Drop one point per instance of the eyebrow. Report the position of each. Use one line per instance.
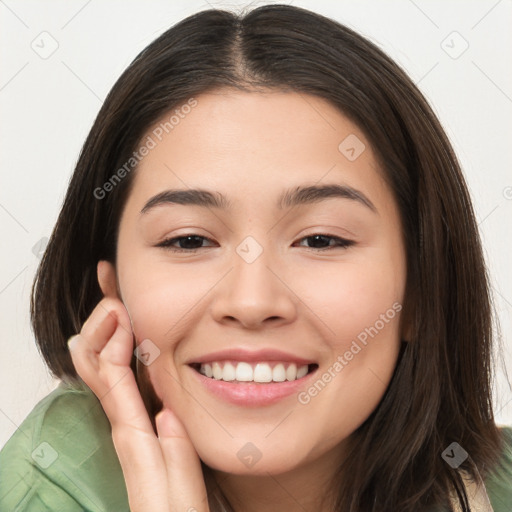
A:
(288, 199)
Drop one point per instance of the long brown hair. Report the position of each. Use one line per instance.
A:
(441, 389)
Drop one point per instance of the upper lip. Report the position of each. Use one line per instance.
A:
(242, 354)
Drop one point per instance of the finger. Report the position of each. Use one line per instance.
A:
(88, 345)
(102, 359)
(103, 321)
(102, 356)
(143, 466)
(185, 481)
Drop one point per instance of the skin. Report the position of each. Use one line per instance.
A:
(250, 147)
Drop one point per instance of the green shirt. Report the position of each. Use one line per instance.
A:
(62, 458)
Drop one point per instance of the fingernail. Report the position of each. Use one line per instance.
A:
(73, 341)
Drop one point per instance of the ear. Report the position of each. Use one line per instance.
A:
(107, 279)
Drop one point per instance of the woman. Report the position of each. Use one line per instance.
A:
(323, 344)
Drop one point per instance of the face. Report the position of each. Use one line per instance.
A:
(251, 279)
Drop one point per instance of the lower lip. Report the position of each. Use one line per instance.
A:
(251, 394)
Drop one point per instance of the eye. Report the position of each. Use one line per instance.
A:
(323, 239)
(191, 243)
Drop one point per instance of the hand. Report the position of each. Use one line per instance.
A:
(161, 473)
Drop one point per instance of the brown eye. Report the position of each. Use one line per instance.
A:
(321, 242)
(192, 242)
(188, 243)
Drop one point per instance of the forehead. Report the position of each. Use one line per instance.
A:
(250, 146)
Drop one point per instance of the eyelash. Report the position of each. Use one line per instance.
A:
(342, 243)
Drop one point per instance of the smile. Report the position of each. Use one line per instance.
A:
(259, 372)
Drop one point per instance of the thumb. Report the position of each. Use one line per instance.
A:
(187, 490)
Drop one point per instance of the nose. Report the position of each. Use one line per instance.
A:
(255, 294)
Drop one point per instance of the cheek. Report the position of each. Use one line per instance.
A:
(358, 306)
(363, 344)
(350, 298)
(163, 304)
(162, 301)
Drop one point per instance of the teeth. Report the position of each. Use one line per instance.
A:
(259, 372)
(279, 373)
(243, 372)
(302, 371)
(228, 372)
(217, 371)
(291, 372)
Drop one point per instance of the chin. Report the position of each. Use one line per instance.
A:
(246, 458)
(260, 468)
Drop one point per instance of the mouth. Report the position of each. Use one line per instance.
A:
(264, 372)
(252, 384)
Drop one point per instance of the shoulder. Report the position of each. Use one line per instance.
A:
(499, 481)
(62, 454)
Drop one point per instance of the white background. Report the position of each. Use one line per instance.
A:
(48, 106)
